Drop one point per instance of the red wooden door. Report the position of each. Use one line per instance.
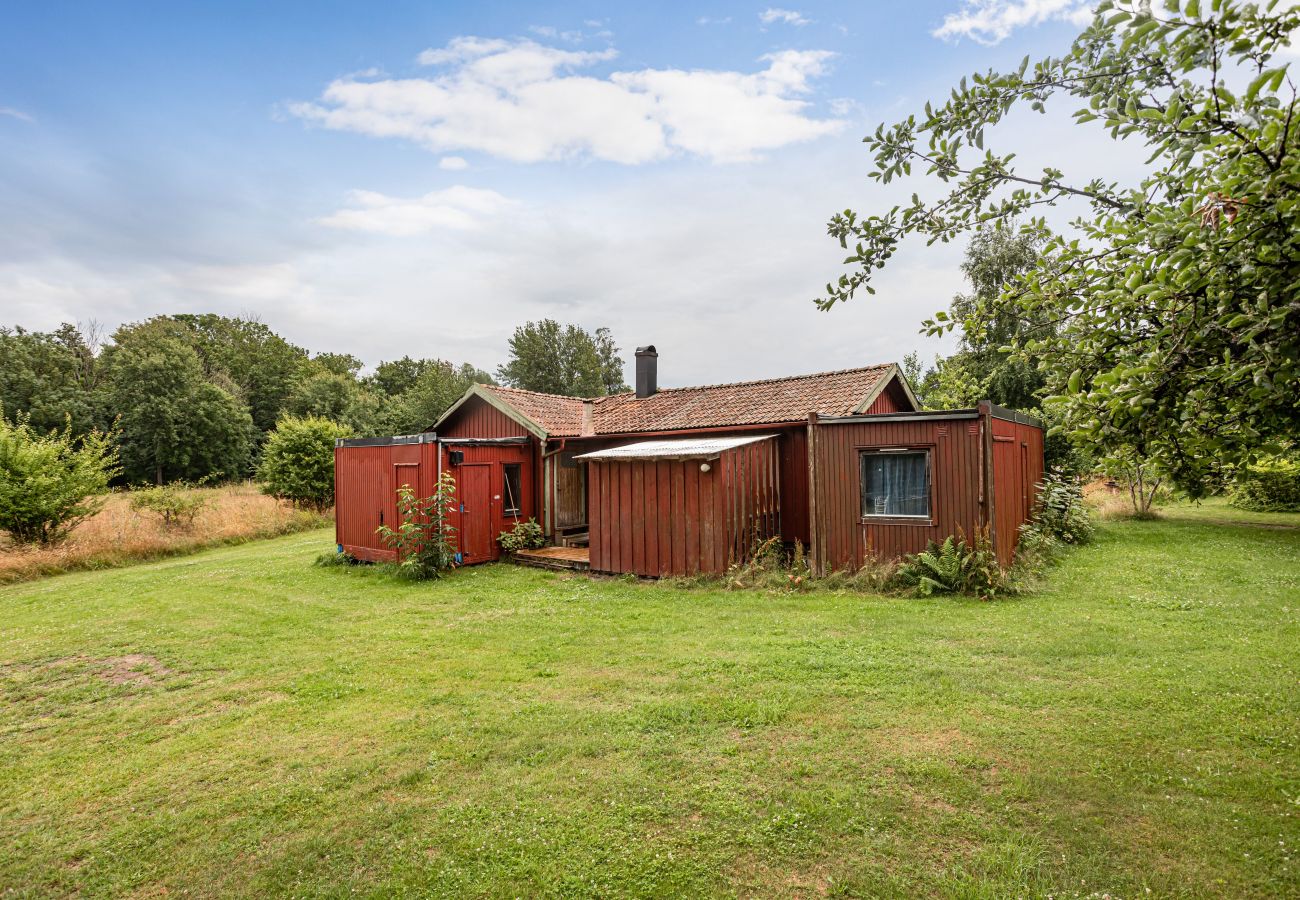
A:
(474, 494)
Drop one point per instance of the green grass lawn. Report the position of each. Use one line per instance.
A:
(241, 722)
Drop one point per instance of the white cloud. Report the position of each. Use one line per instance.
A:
(458, 208)
(709, 20)
(550, 31)
(453, 163)
(522, 101)
(250, 282)
(15, 114)
(992, 21)
(784, 16)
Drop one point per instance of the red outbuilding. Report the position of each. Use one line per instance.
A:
(494, 489)
(676, 507)
(682, 480)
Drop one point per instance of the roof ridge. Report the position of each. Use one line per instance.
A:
(726, 384)
(515, 390)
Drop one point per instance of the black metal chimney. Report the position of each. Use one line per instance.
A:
(647, 371)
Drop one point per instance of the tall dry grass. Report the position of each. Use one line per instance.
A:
(118, 535)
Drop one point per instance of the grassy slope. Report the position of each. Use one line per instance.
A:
(514, 732)
(119, 536)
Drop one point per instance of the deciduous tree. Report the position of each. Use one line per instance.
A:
(175, 425)
(48, 377)
(1172, 300)
(563, 359)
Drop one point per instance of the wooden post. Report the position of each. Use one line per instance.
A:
(815, 549)
(986, 471)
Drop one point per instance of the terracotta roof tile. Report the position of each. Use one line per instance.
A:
(766, 402)
(559, 416)
(763, 402)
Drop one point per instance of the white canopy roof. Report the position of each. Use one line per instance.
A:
(684, 448)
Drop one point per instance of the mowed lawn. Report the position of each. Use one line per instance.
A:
(242, 722)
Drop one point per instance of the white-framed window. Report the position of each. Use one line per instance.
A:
(895, 483)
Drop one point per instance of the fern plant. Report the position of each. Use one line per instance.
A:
(955, 567)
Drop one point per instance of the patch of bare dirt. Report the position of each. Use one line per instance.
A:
(943, 742)
(760, 879)
(134, 668)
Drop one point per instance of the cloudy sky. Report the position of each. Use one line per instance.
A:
(419, 178)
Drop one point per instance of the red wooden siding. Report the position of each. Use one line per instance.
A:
(1017, 470)
(891, 399)
(485, 510)
(962, 483)
(366, 480)
(666, 517)
(844, 538)
(792, 446)
(479, 419)
(792, 463)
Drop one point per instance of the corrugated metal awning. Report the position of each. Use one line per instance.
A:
(684, 448)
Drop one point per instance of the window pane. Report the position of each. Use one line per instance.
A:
(510, 490)
(895, 484)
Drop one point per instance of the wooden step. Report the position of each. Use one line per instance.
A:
(572, 558)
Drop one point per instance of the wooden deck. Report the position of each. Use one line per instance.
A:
(572, 558)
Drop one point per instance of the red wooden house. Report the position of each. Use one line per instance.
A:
(685, 480)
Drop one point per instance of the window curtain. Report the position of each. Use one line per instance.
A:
(895, 484)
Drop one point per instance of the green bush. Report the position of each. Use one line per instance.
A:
(424, 541)
(1060, 515)
(955, 567)
(1271, 486)
(298, 461)
(177, 504)
(524, 536)
(49, 483)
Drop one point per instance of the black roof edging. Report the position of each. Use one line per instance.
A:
(1011, 415)
(427, 437)
(914, 416)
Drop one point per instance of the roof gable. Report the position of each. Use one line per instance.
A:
(507, 407)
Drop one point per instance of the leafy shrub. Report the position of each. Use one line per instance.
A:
(1060, 516)
(524, 536)
(298, 461)
(1271, 486)
(955, 567)
(177, 504)
(424, 541)
(50, 483)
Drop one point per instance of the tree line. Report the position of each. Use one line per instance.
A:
(196, 397)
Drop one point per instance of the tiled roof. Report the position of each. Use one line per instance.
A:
(745, 403)
(767, 402)
(559, 416)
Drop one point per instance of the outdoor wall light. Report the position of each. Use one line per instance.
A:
(704, 467)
